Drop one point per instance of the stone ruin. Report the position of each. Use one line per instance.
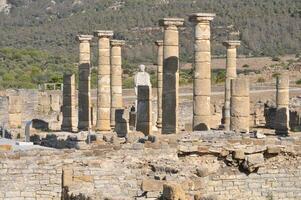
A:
(126, 153)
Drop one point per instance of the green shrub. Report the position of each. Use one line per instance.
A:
(218, 76)
(246, 66)
(128, 82)
(298, 82)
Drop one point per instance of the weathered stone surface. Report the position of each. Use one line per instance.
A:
(116, 78)
(144, 110)
(150, 185)
(173, 192)
(159, 44)
(170, 74)
(84, 114)
(253, 162)
(103, 81)
(202, 62)
(239, 105)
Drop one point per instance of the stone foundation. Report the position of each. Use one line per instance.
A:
(205, 164)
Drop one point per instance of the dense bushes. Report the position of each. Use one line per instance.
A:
(28, 68)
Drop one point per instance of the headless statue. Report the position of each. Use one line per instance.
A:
(142, 78)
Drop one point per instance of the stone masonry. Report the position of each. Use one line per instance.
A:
(84, 104)
(103, 81)
(170, 99)
(68, 108)
(116, 78)
(240, 104)
(159, 44)
(231, 73)
(15, 104)
(282, 103)
(202, 71)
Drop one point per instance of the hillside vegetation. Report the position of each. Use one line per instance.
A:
(271, 27)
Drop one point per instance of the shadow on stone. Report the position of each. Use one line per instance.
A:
(66, 196)
(169, 96)
(40, 125)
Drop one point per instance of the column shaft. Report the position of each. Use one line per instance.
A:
(159, 44)
(84, 115)
(202, 71)
(240, 105)
(103, 81)
(230, 74)
(282, 101)
(170, 75)
(68, 109)
(116, 78)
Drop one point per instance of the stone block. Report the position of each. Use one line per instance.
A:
(239, 154)
(202, 70)
(253, 162)
(6, 147)
(202, 87)
(150, 185)
(202, 56)
(173, 37)
(201, 122)
(201, 105)
(240, 107)
(173, 192)
(202, 46)
(202, 31)
(240, 87)
(273, 149)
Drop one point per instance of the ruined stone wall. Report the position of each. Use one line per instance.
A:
(31, 175)
(215, 165)
(26, 105)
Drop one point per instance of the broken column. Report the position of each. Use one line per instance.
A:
(240, 105)
(116, 78)
(15, 107)
(68, 108)
(84, 115)
(282, 101)
(103, 81)
(144, 109)
(202, 70)
(170, 74)
(159, 44)
(230, 74)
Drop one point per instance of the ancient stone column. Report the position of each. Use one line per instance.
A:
(202, 71)
(103, 81)
(144, 109)
(84, 101)
(230, 74)
(159, 44)
(170, 74)
(240, 105)
(116, 78)
(282, 101)
(68, 108)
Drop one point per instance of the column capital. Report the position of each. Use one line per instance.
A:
(166, 22)
(103, 33)
(201, 17)
(84, 38)
(231, 43)
(117, 43)
(159, 43)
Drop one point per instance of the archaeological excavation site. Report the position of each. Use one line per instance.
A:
(236, 140)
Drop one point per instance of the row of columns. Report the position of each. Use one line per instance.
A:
(168, 99)
(236, 103)
(109, 84)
